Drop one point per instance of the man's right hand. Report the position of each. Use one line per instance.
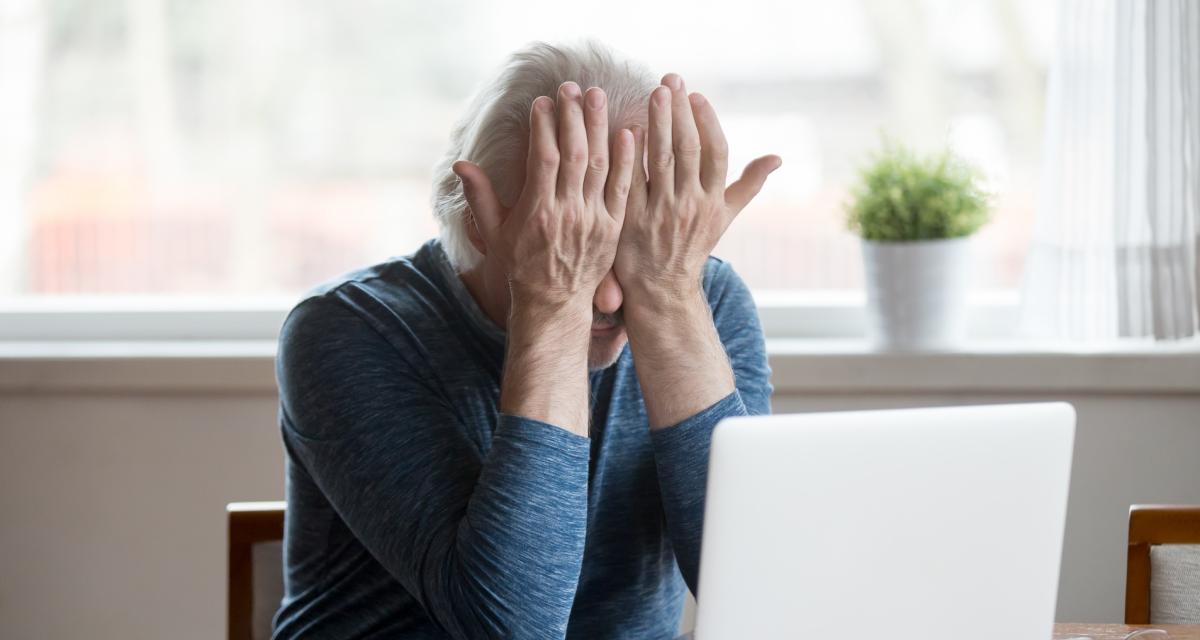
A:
(554, 246)
(560, 238)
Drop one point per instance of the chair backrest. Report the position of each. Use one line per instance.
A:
(1162, 580)
(255, 567)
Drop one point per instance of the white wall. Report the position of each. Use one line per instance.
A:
(113, 487)
(113, 510)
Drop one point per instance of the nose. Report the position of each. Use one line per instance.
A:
(608, 296)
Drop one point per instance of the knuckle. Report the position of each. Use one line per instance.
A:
(688, 146)
(662, 160)
(598, 164)
(576, 155)
(569, 216)
(548, 159)
(543, 223)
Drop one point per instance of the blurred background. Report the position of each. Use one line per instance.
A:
(174, 174)
(176, 148)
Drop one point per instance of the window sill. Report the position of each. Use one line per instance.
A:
(852, 366)
(800, 366)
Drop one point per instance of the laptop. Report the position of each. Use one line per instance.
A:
(921, 524)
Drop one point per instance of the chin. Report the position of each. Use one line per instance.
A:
(604, 351)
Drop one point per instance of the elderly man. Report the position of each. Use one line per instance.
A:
(505, 434)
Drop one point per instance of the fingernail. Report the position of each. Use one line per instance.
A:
(675, 81)
(570, 89)
(662, 97)
(542, 103)
(595, 98)
(697, 99)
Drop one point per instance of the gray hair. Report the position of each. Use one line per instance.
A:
(494, 132)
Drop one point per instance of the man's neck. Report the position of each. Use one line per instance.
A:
(476, 283)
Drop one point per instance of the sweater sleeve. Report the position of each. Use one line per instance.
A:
(681, 450)
(490, 543)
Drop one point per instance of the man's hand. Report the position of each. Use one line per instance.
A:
(674, 223)
(557, 242)
(671, 226)
(554, 246)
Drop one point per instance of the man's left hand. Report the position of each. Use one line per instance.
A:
(673, 223)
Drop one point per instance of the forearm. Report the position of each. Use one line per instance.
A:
(545, 367)
(680, 362)
(689, 386)
(681, 459)
(463, 530)
(516, 577)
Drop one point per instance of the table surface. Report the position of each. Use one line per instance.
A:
(1119, 631)
(1066, 631)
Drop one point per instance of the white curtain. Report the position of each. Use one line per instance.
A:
(21, 42)
(1118, 224)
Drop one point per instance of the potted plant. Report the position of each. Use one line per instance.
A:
(915, 215)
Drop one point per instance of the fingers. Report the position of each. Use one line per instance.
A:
(661, 158)
(621, 176)
(481, 197)
(740, 193)
(714, 164)
(685, 137)
(595, 121)
(572, 140)
(637, 190)
(541, 166)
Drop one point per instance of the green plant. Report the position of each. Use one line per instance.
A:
(904, 197)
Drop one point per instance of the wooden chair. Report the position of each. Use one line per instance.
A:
(251, 525)
(1149, 526)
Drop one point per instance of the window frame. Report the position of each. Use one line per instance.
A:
(815, 315)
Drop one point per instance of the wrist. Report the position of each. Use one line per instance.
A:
(545, 366)
(558, 332)
(548, 301)
(661, 289)
(664, 302)
(550, 316)
(681, 363)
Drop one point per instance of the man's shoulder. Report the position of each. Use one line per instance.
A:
(715, 272)
(395, 276)
(375, 299)
(395, 282)
(723, 287)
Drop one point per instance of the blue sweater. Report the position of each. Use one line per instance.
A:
(416, 510)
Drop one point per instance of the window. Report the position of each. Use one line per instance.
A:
(224, 148)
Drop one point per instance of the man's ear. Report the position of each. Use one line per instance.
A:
(483, 210)
(473, 234)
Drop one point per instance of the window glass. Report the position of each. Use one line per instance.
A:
(252, 148)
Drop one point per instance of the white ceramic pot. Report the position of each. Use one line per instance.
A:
(916, 293)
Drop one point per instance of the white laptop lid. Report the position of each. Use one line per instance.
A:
(920, 523)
